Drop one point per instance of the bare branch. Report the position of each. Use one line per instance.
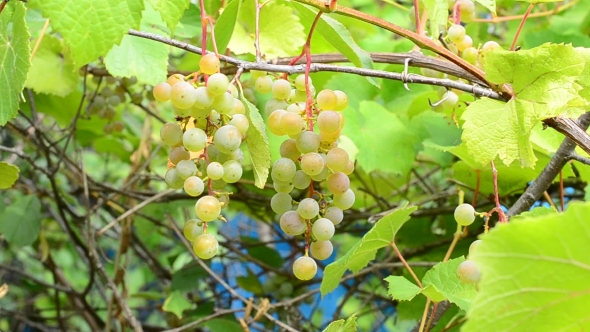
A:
(577, 157)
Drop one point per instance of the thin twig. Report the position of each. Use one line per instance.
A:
(401, 258)
(524, 18)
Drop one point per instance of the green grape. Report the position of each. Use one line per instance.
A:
(227, 139)
(308, 208)
(232, 171)
(298, 96)
(456, 33)
(321, 176)
(281, 89)
(286, 289)
(274, 104)
(217, 84)
(323, 229)
(111, 80)
(281, 203)
(218, 185)
(263, 84)
(224, 103)
(175, 78)
(128, 81)
(200, 114)
(205, 246)
(292, 124)
(489, 46)
(468, 272)
(289, 149)
(99, 102)
(467, 8)
(338, 183)
(239, 108)
(215, 170)
(474, 245)
(183, 95)
(342, 100)
(208, 208)
(305, 268)
(183, 113)
(106, 92)
(464, 214)
(236, 155)
(192, 229)
(308, 141)
(274, 122)
(337, 159)
(329, 122)
(298, 108)
(107, 113)
(349, 168)
(291, 223)
(344, 201)
(451, 100)
(194, 186)
(329, 137)
(301, 180)
(470, 55)
(113, 100)
(162, 92)
(328, 145)
(209, 64)
(300, 82)
(283, 169)
(249, 95)
(465, 43)
(321, 249)
(186, 168)
(312, 163)
(282, 186)
(203, 99)
(224, 201)
(257, 73)
(335, 214)
(171, 134)
(194, 139)
(327, 100)
(233, 91)
(137, 98)
(173, 180)
(241, 122)
(177, 154)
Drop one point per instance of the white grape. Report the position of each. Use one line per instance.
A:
(208, 208)
(308, 141)
(323, 229)
(194, 139)
(173, 180)
(305, 268)
(308, 208)
(192, 229)
(281, 89)
(194, 186)
(344, 201)
(205, 246)
(283, 169)
(468, 272)
(312, 163)
(171, 134)
(227, 138)
(335, 214)
(186, 168)
(292, 224)
(281, 203)
(232, 171)
(464, 214)
(241, 122)
(321, 249)
(301, 180)
(217, 84)
(289, 149)
(282, 186)
(338, 183)
(224, 103)
(183, 95)
(215, 170)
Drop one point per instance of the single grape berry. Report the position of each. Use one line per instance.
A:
(305, 268)
(205, 246)
(464, 214)
(209, 64)
(162, 92)
(321, 249)
(474, 245)
(468, 273)
(192, 229)
(456, 33)
(208, 208)
(323, 229)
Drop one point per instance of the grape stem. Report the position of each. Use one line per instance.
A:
(524, 18)
(498, 208)
(498, 19)
(417, 16)
(401, 258)
(477, 184)
(457, 12)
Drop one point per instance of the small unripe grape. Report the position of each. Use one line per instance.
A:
(274, 104)
(217, 84)
(470, 55)
(464, 214)
(321, 249)
(323, 229)
(467, 7)
(173, 180)
(239, 108)
(292, 124)
(342, 99)
(227, 139)
(300, 82)
(322, 176)
(182, 113)
(175, 78)
(232, 171)
(208, 208)
(274, 122)
(192, 229)
(474, 245)
(224, 103)
(308, 208)
(327, 99)
(292, 224)
(241, 122)
(281, 89)
(205, 246)
(308, 141)
(489, 46)
(344, 201)
(263, 84)
(312, 163)
(257, 73)
(338, 183)
(289, 149)
(209, 64)
(329, 122)
(456, 33)
(281, 203)
(203, 99)
(337, 159)
(465, 43)
(468, 272)
(301, 180)
(215, 170)
(286, 289)
(284, 169)
(183, 95)
(298, 108)
(177, 154)
(162, 92)
(335, 214)
(305, 268)
(194, 139)
(194, 186)
(282, 186)
(349, 168)
(171, 134)
(186, 168)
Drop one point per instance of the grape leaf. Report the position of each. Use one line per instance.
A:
(535, 274)
(438, 15)
(489, 4)
(20, 222)
(443, 278)
(401, 288)
(365, 250)
(257, 142)
(91, 27)
(547, 89)
(8, 175)
(176, 303)
(14, 52)
(224, 27)
(369, 128)
(171, 11)
(341, 325)
(52, 70)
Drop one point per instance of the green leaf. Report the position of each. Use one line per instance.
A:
(90, 28)
(143, 58)
(224, 27)
(547, 89)
(267, 255)
(250, 283)
(381, 235)
(52, 70)
(489, 4)
(370, 128)
(171, 11)
(176, 303)
(257, 142)
(8, 175)
(584, 79)
(187, 278)
(535, 274)
(401, 288)
(443, 277)
(20, 222)
(14, 52)
(342, 325)
(438, 15)
(281, 33)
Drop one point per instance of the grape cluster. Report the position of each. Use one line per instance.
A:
(204, 145)
(467, 271)
(309, 160)
(113, 92)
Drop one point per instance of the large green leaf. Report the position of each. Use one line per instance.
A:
(438, 15)
(443, 278)
(547, 89)
(176, 303)
(91, 27)
(52, 70)
(171, 11)
(401, 288)
(224, 27)
(348, 325)
(489, 4)
(15, 63)
(364, 251)
(535, 274)
(257, 142)
(20, 222)
(8, 175)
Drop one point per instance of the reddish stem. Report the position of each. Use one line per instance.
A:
(203, 26)
(561, 191)
(307, 236)
(431, 317)
(477, 184)
(524, 18)
(457, 12)
(417, 16)
(213, 37)
(257, 31)
(401, 258)
(498, 208)
(307, 52)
